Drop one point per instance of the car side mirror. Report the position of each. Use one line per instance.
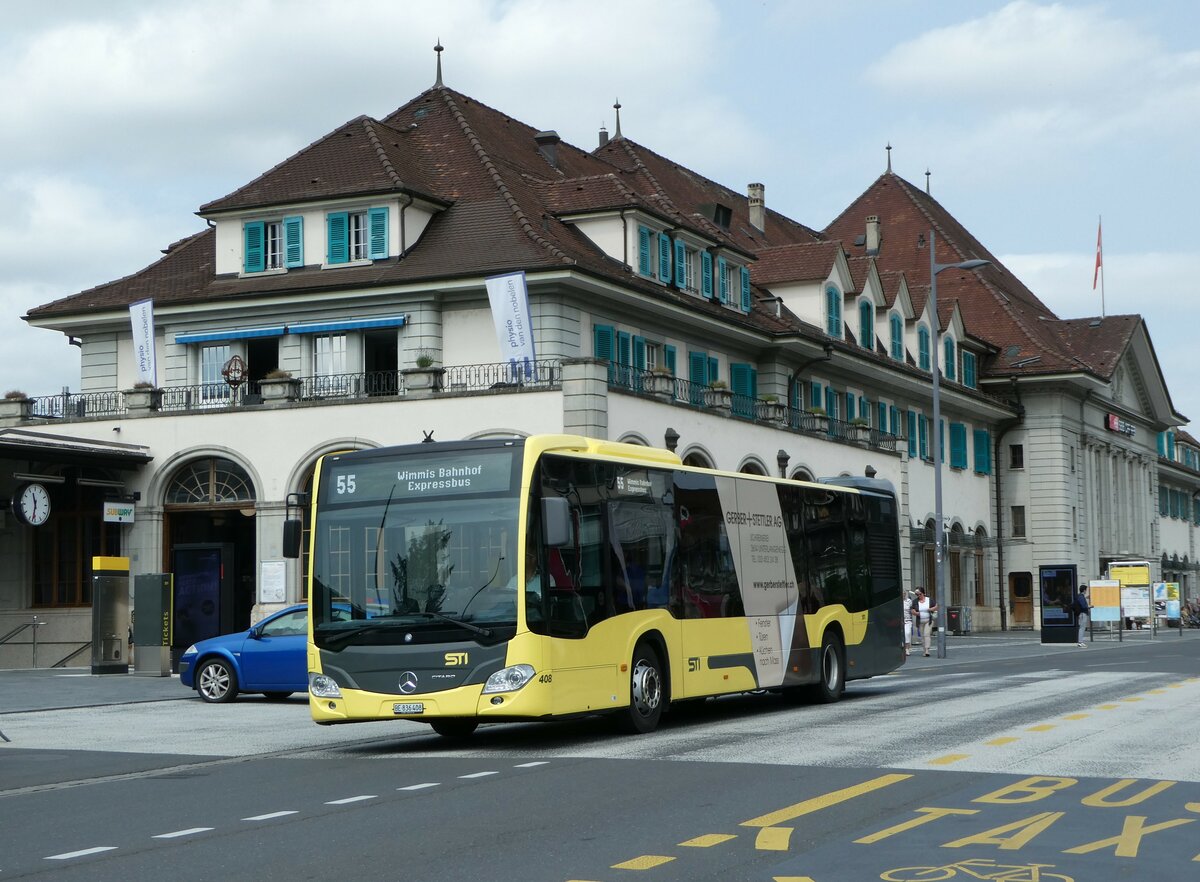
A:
(255, 633)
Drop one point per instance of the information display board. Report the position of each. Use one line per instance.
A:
(1105, 598)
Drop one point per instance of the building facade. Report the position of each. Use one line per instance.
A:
(338, 301)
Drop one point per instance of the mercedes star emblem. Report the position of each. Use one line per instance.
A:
(408, 682)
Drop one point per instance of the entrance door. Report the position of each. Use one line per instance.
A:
(203, 601)
(1020, 589)
(380, 361)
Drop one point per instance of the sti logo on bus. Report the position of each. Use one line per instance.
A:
(455, 658)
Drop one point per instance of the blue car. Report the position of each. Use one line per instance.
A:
(270, 658)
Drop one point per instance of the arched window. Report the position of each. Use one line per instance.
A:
(752, 468)
(866, 324)
(951, 362)
(923, 348)
(833, 312)
(699, 460)
(897, 337)
(210, 482)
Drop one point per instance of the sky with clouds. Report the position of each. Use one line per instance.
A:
(119, 119)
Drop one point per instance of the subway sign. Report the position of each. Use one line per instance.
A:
(118, 512)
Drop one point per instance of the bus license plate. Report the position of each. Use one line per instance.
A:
(409, 707)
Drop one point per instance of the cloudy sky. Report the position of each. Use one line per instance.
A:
(119, 119)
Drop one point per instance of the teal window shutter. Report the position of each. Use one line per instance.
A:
(893, 420)
(337, 227)
(746, 304)
(958, 446)
(951, 361)
(1164, 505)
(983, 452)
(1171, 446)
(923, 435)
(697, 376)
(377, 226)
(897, 338)
(255, 260)
(969, 378)
(623, 361)
(639, 353)
(1162, 440)
(881, 424)
(722, 281)
(293, 241)
(669, 358)
(664, 258)
(864, 408)
(849, 406)
(741, 382)
(706, 270)
(923, 348)
(814, 399)
(795, 388)
(602, 346)
(714, 370)
(831, 402)
(911, 418)
(833, 312)
(866, 325)
(680, 264)
(644, 250)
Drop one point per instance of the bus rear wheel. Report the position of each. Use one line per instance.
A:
(646, 693)
(831, 682)
(454, 727)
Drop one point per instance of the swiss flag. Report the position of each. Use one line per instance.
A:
(1099, 254)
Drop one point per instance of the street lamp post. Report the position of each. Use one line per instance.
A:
(939, 533)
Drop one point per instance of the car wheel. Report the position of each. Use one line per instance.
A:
(276, 696)
(831, 682)
(216, 682)
(647, 696)
(454, 727)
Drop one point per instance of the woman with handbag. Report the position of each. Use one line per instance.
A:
(925, 611)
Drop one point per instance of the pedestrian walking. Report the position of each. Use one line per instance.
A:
(925, 611)
(1083, 612)
(908, 624)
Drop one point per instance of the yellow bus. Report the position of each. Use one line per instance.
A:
(458, 583)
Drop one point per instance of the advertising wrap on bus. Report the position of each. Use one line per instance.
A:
(558, 575)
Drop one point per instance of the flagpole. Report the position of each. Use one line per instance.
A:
(1099, 227)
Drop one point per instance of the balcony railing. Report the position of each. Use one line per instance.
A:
(542, 375)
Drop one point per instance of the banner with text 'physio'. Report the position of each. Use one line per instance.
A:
(141, 316)
(509, 299)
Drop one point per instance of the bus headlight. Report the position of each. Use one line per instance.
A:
(509, 679)
(322, 686)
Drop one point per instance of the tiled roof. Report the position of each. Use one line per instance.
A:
(996, 306)
(806, 262)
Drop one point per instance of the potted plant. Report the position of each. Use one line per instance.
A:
(860, 429)
(16, 405)
(815, 420)
(660, 381)
(143, 396)
(279, 385)
(427, 373)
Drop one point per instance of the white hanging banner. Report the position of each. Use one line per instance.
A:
(514, 330)
(141, 315)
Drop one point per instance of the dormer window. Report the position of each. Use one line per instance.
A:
(273, 244)
(951, 361)
(923, 348)
(897, 341)
(356, 236)
(866, 324)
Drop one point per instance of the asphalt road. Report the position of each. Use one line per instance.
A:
(1006, 754)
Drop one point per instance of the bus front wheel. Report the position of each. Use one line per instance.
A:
(832, 678)
(646, 693)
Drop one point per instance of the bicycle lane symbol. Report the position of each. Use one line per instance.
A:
(977, 868)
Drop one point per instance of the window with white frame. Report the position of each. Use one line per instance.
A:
(688, 272)
(272, 244)
(329, 364)
(213, 388)
(360, 236)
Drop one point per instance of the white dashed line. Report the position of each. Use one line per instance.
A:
(531, 765)
(81, 853)
(418, 786)
(479, 775)
(349, 799)
(188, 832)
(270, 815)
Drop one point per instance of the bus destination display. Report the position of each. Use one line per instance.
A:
(418, 477)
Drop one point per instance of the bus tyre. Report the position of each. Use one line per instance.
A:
(831, 678)
(454, 728)
(646, 694)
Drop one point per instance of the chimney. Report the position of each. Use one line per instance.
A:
(872, 234)
(548, 145)
(603, 136)
(756, 195)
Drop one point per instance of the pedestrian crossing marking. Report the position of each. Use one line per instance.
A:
(948, 759)
(708, 840)
(645, 862)
(1000, 742)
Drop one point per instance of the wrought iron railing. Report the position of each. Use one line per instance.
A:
(76, 405)
(539, 375)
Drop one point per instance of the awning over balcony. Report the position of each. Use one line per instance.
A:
(330, 327)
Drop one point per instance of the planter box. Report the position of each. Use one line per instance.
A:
(143, 399)
(428, 379)
(662, 385)
(279, 389)
(16, 408)
(772, 411)
(720, 400)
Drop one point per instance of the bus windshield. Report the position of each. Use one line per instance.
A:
(415, 548)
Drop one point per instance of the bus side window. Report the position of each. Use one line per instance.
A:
(825, 531)
(791, 501)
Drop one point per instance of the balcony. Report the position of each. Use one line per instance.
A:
(338, 388)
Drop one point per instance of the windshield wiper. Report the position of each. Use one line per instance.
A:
(343, 635)
(381, 624)
(475, 629)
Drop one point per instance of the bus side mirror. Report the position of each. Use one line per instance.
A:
(291, 538)
(556, 521)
